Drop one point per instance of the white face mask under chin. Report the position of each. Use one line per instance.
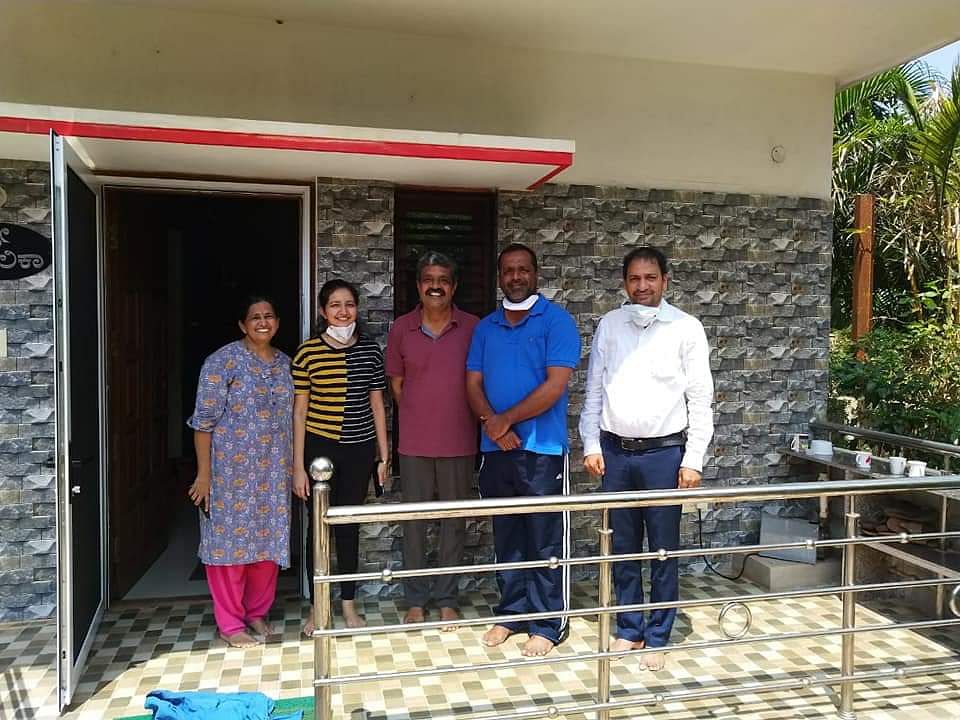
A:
(642, 315)
(522, 305)
(341, 334)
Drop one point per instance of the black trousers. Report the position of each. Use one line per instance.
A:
(352, 467)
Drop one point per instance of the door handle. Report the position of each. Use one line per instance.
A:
(75, 465)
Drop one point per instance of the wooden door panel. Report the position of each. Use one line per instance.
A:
(141, 473)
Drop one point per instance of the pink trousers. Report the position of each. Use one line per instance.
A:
(241, 593)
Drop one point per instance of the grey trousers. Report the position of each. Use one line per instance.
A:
(449, 479)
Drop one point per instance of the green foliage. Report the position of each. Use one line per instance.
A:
(896, 136)
(936, 142)
(906, 384)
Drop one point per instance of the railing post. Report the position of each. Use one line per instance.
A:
(847, 658)
(322, 694)
(603, 644)
(944, 511)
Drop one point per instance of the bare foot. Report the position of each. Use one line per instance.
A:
(622, 645)
(536, 646)
(655, 661)
(447, 614)
(415, 615)
(308, 628)
(261, 627)
(240, 639)
(351, 617)
(497, 635)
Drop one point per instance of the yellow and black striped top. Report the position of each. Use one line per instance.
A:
(339, 381)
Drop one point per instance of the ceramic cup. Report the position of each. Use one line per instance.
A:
(898, 465)
(821, 447)
(916, 468)
(863, 459)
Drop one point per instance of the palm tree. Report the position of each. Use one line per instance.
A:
(896, 135)
(937, 143)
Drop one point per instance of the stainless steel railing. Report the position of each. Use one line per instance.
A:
(946, 451)
(933, 447)
(324, 517)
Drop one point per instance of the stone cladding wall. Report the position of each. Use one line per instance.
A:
(754, 269)
(27, 502)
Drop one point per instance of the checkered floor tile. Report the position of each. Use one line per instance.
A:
(173, 645)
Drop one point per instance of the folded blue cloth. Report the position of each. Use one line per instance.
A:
(169, 705)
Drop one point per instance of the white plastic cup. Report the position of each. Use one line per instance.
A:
(821, 447)
(898, 465)
(916, 468)
(863, 459)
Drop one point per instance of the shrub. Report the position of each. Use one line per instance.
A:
(907, 383)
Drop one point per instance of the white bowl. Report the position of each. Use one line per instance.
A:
(821, 447)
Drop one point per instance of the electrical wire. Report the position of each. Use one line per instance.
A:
(710, 565)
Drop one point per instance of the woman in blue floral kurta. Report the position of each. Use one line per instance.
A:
(242, 433)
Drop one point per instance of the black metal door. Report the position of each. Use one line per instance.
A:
(79, 422)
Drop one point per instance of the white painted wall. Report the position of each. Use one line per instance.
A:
(635, 122)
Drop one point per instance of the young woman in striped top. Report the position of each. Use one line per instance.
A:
(338, 412)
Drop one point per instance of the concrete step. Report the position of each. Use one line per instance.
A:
(779, 575)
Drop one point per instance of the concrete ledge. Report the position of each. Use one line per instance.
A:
(780, 575)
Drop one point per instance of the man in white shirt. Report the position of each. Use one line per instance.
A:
(646, 423)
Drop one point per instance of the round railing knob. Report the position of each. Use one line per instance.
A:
(321, 469)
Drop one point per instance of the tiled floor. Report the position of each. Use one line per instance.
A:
(173, 573)
(172, 645)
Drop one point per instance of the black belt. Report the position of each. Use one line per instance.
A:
(644, 444)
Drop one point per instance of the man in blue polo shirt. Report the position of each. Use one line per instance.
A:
(520, 362)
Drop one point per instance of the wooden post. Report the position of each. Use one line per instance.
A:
(862, 310)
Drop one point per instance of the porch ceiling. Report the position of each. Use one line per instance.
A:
(843, 40)
(122, 143)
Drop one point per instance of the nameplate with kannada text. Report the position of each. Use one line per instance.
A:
(23, 252)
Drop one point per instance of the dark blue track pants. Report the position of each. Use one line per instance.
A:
(539, 536)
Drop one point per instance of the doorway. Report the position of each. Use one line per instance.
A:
(176, 265)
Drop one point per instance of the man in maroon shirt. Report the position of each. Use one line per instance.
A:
(426, 361)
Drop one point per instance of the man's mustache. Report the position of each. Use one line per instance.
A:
(436, 292)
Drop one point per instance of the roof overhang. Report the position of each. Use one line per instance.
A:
(845, 40)
(127, 143)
